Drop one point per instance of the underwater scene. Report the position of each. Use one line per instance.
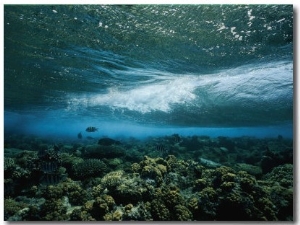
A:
(148, 113)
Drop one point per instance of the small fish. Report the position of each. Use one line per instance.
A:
(52, 178)
(49, 167)
(91, 129)
(79, 135)
(161, 148)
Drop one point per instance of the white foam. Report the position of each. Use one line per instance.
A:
(144, 99)
(265, 82)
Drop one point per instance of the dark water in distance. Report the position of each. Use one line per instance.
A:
(149, 69)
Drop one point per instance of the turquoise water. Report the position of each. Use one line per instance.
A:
(148, 67)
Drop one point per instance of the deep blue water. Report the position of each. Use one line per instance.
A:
(144, 70)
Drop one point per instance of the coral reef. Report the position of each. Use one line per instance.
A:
(76, 182)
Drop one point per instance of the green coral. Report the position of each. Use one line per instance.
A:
(97, 190)
(169, 204)
(112, 180)
(89, 168)
(152, 168)
(115, 163)
(74, 191)
(279, 184)
(247, 182)
(68, 160)
(159, 211)
(282, 174)
(182, 213)
(227, 189)
(11, 207)
(69, 188)
(52, 192)
(172, 196)
(117, 215)
(94, 209)
(54, 210)
(131, 190)
(135, 167)
(207, 204)
(9, 164)
(199, 184)
(283, 200)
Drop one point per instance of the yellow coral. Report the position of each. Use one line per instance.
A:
(172, 197)
(89, 205)
(193, 203)
(112, 179)
(128, 207)
(109, 200)
(228, 186)
(162, 168)
(117, 215)
(209, 192)
(97, 190)
(108, 217)
(200, 184)
(229, 177)
(182, 213)
(135, 167)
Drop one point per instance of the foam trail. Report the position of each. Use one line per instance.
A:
(144, 99)
(268, 83)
